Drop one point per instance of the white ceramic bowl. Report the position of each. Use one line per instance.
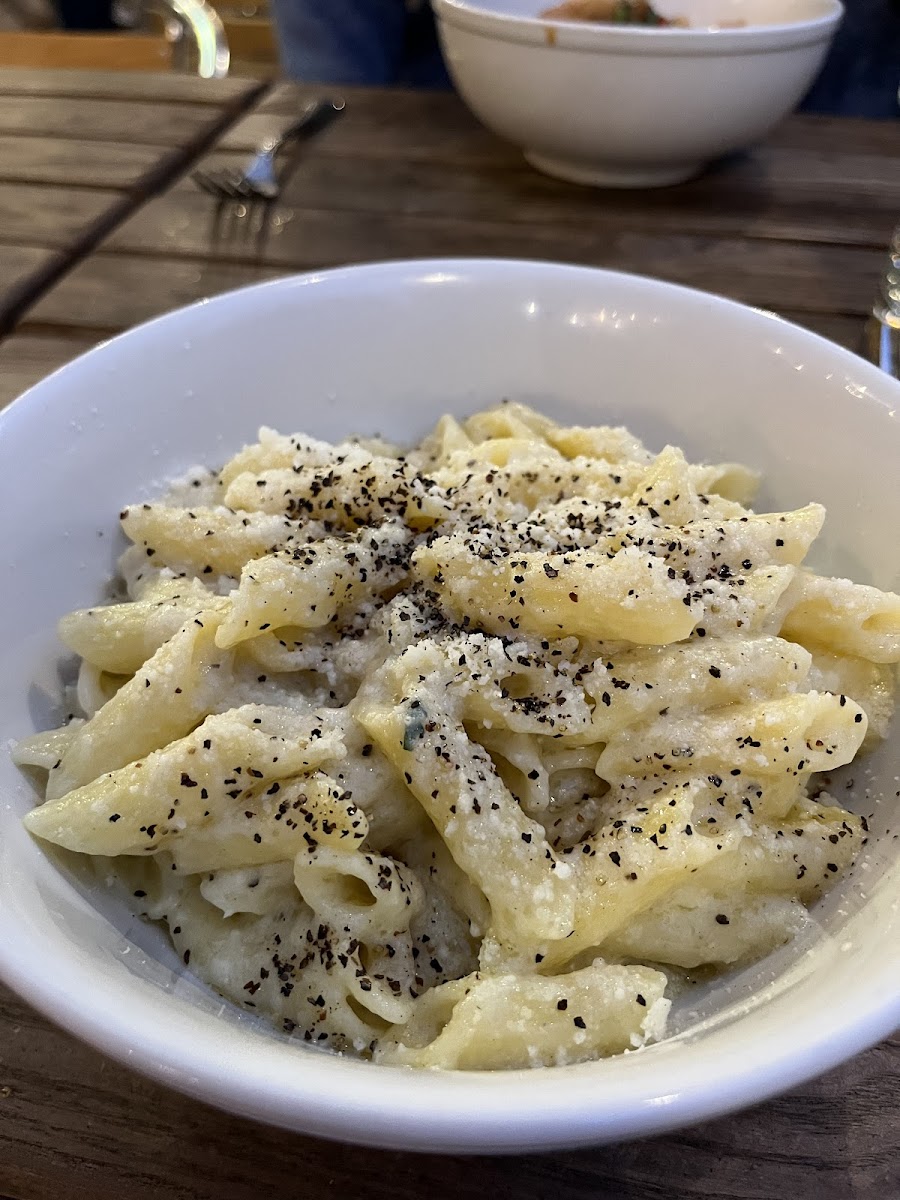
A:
(622, 106)
(389, 348)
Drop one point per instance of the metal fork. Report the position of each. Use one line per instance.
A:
(258, 181)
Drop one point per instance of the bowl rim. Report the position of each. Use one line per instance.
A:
(549, 34)
(402, 1107)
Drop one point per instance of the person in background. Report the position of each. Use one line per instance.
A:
(360, 41)
(861, 76)
(394, 42)
(85, 15)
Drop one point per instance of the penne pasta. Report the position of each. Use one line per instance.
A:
(438, 756)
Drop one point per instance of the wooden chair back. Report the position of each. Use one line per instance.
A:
(85, 51)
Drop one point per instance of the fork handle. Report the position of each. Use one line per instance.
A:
(317, 115)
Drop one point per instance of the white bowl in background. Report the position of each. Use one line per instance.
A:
(634, 106)
(388, 348)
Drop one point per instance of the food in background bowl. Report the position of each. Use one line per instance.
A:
(390, 348)
(610, 12)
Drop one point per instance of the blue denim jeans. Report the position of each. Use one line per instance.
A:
(861, 75)
(360, 41)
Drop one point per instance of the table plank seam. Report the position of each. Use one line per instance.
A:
(55, 329)
(97, 136)
(149, 185)
(77, 94)
(72, 185)
(607, 224)
(207, 93)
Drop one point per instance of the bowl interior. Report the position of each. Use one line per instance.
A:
(387, 349)
(698, 13)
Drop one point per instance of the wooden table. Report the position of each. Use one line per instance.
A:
(79, 151)
(799, 226)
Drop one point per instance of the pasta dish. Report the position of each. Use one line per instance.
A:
(452, 757)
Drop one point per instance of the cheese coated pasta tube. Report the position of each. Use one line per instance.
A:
(490, 837)
(629, 596)
(142, 806)
(368, 895)
(792, 735)
(269, 822)
(119, 638)
(844, 617)
(644, 683)
(510, 1021)
(212, 541)
(346, 494)
(309, 586)
(181, 679)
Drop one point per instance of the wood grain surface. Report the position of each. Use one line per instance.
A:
(165, 123)
(353, 225)
(816, 178)
(51, 217)
(76, 1126)
(75, 162)
(27, 358)
(121, 85)
(76, 158)
(798, 226)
